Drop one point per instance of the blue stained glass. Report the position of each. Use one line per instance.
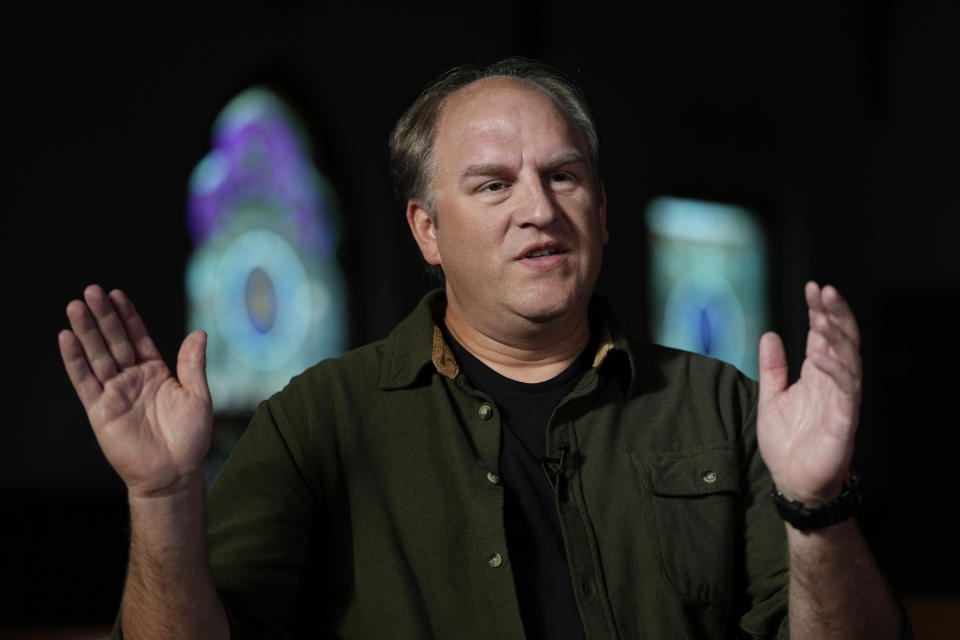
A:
(708, 279)
(705, 331)
(261, 300)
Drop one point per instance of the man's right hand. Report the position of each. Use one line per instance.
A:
(154, 429)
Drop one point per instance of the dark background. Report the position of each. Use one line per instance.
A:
(836, 121)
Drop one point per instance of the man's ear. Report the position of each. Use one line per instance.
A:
(424, 231)
(603, 214)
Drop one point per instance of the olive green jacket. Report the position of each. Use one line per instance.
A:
(363, 501)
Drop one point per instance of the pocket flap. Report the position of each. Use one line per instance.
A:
(693, 472)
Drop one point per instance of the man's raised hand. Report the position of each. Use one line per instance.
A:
(806, 430)
(153, 428)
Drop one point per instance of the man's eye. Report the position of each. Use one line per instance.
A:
(494, 186)
(562, 179)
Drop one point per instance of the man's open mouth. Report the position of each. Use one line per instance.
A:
(542, 253)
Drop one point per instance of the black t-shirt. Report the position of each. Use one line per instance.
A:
(535, 543)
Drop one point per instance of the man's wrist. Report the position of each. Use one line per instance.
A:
(804, 517)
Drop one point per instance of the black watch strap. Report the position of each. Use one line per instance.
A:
(804, 517)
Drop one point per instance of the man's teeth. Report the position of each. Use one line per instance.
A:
(541, 253)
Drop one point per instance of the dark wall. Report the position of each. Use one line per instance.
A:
(836, 122)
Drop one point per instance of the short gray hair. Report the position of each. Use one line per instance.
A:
(411, 141)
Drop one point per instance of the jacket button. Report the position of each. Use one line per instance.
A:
(493, 478)
(485, 411)
(709, 477)
(495, 560)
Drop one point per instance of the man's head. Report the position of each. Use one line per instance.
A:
(514, 213)
(411, 142)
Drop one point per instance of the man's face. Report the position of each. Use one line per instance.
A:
(520, 222)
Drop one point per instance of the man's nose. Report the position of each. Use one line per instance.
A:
(537, 207)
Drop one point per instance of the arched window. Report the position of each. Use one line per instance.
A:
(263, 280)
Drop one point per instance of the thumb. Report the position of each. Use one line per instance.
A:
(772, 365)
(192, 363)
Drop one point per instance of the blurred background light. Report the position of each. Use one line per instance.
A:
(708, 279)
(263, 280)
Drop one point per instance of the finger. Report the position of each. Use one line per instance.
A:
(840, 313)
(826, 330)
(815, 343)
(846, 380)
(191, 364)
(87, 386)
(772, 365)
(111, 328)
(840, 345)
(136, 330)
(811, 291)
(87, 333)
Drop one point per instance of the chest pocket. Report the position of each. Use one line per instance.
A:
(693, 506)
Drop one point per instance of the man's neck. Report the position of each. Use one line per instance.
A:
(531, 352)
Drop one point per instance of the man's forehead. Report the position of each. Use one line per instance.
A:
(493, 84)
(496, 109)
(489, 97)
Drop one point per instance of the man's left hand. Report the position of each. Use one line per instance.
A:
(806, 430)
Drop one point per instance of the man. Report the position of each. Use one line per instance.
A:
(507, 462)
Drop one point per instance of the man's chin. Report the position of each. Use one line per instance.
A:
(542, 317)
(542, 311)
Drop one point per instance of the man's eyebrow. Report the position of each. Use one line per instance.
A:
(489, 169)
(492, 169)
(567, 158)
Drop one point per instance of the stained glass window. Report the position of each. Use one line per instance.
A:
(708, 279)
(263, 280)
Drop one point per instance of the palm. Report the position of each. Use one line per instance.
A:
(153, 429)
(806, 431)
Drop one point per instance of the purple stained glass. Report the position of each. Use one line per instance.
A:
(258, 161)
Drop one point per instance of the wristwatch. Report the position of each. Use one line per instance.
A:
(803, 517)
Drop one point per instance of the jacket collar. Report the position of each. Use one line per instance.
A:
(416, 345)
